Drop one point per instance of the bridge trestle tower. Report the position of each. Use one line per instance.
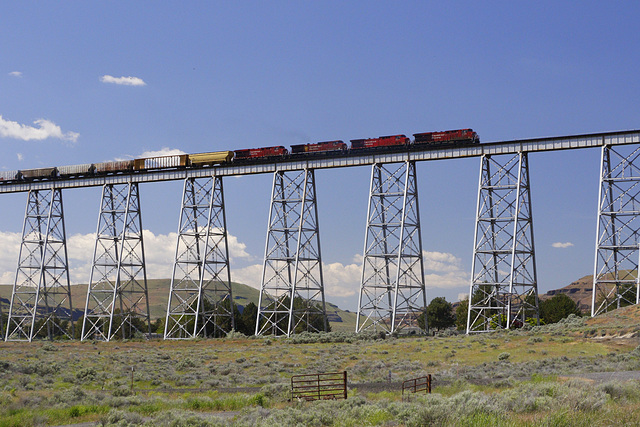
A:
(503, 292)
(615, 278)
(392, 291)
(200, 299)
(117, 303)
(41, 298)
(292, 287)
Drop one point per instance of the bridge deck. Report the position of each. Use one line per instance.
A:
(341, 160)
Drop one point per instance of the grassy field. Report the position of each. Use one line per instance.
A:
(541, 376)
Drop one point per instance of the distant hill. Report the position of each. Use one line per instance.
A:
(580, 291)
(339, 319)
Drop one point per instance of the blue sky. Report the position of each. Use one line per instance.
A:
(84, 82)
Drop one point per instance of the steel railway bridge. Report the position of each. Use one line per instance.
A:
(503, 287)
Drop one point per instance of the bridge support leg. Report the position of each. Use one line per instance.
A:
(504, 290)
(200, 299)
(615, 277)
(392, 291)
(117, 300)
(41, 297)
(292, 289)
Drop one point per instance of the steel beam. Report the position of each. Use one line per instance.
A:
(117, 303)
(292, 289)
(615, 276)
(200, 298)
(392, 292)
(503, 291)
(41, 298)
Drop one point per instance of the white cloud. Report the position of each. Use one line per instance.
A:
(45, 129)
(16, 73)
(20, 157)
(126, 81)
(562, 245)
(463, 296)
(164, 151)
(159, 255)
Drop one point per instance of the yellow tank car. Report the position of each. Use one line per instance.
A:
(204, 159)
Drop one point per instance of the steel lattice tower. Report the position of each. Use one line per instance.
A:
(392, 292)
(292, 289)
(117, 300)
(503, 290)
(615, 277)
(41, 298)
(200, 299)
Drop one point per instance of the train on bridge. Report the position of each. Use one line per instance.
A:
(327, 148)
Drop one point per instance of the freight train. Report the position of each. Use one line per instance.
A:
(182, 161)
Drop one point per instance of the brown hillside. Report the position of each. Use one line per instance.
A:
(580, 291)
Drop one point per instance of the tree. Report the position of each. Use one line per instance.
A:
(558, 307)
(462, 312)
(247, 323)
(440, 314)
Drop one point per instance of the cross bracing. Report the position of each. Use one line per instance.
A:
(292, 289)
(41, 299)
(615, 278)
(503, 291)
(392, 292)
(117, 299)
(200, 298)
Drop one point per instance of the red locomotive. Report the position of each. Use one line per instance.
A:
(319, 147)
(447, 137)
(383, 141)
(254, 153)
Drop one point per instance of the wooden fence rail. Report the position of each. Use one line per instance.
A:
(319, 386)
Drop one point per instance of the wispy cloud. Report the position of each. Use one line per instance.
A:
(126, 81)
(20, 157)
(16, 73)
(562, 245)
(164, 151)
(44, 129)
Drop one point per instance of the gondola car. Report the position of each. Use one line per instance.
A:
(39, 173)
(76, 170)
(114, 167)
(447, 137)
(319, 147)
(383, 141)
(258, 153)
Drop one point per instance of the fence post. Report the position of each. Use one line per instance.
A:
(344, 376)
